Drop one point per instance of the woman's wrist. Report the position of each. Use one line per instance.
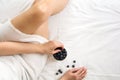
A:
(39, 48)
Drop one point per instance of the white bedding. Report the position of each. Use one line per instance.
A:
(90, 30)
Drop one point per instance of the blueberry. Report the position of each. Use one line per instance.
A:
(57, 73)
(60, 71)
(74, 61)
(60, 55)
(67, 66)
(64, 51)
(73, 66)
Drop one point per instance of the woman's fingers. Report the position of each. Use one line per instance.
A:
(83, 75)
(74, 70)
(80, 77)
(75, 74)
(56, 51)
(58, 44)
(50, 47)
(81, 71)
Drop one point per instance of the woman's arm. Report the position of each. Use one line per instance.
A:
(12, 48)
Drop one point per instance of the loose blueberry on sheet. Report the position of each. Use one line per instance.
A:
(73, 66)
(74, 61)
(60, 55)
(60, 71)
(67, 66)
(57, 73)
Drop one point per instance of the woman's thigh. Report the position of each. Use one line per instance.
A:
(43, 30)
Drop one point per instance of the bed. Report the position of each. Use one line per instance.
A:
(90, 31)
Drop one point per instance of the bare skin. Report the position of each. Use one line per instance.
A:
(29, 21)
(13, 48)
(74, 74)
(34, 21)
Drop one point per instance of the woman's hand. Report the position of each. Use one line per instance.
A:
(49, 47)
(74, 74)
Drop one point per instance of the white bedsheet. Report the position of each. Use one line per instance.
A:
(90, 30)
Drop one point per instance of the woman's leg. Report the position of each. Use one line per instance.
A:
(55, 5)
(32, 19)
(43, 30)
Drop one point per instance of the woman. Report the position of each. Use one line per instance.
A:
(34, 21)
